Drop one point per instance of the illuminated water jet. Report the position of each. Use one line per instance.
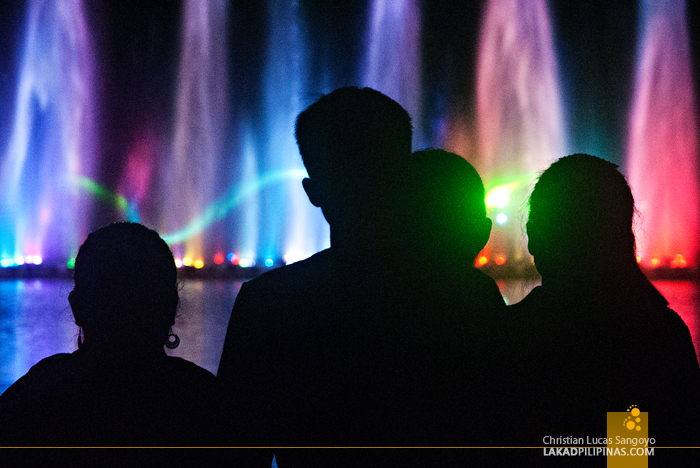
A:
(393, 58)
(290, 225)
(200, 120)
(519, 117)
(662, 153)
(194, 162)
(52, 139)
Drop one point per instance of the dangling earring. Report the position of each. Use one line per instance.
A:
(173, 340)
(81, 339)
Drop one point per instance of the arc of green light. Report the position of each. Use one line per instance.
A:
(106, 195)
(220, 208)
(102, 193)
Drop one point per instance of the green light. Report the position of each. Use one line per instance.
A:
(106, 195)
(221, 207)
(71, 263)
(499, 196)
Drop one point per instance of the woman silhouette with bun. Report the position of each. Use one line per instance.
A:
(119, 388)
(597, 336)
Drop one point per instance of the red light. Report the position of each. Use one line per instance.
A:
(481, 261)
(500, 260)
(679, 262)
(219, 259)
(655, 262)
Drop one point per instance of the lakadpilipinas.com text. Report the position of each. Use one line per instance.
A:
(592, 446)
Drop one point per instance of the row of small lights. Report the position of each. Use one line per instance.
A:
(179, 262)
(18, 261)
(483, 260)
(678, 262)
(220, 259)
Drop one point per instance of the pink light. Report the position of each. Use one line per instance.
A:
(518, 108)
(137, 173)
(662, 150)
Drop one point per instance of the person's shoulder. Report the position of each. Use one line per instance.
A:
(190, 369)
(534, 301)
(665, 325)
(673, 319)
(40, 378)
(53, 361)
(486, 287)
(51, 365)
(481, 278)
(294, 274)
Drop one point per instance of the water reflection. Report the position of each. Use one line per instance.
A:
(205, 307)
(36, 321)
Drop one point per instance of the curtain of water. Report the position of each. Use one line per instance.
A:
(52, 141)
(200, 122)
(293, 228)
(392, 61)
(663, 139)
(520, 125)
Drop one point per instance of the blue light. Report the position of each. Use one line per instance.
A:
(229, 257)
(6, 262)
(501, 218)
(269, 262)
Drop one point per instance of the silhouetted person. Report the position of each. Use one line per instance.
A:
(451, 312)
(305, 354)
(596, 336)
(119, 388)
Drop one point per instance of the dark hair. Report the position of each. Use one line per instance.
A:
(446, 177)
(583, 204)
(444, 203)
(125, 283)
(352, 133)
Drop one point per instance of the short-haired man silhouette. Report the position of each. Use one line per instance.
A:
(300, 335)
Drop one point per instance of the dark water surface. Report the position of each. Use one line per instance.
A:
(36, 320)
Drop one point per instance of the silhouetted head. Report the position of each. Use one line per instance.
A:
(351, 142)
(125, 292)
(580, 220)
(445, 212)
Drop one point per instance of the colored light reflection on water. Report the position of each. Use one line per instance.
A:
(36, 321)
